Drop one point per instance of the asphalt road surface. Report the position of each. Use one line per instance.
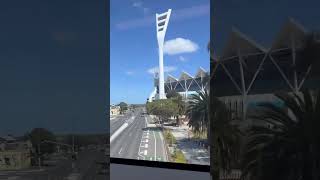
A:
(133, 138)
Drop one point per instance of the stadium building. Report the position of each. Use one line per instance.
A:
(247, 73)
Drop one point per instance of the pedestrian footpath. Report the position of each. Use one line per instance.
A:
(192, 150)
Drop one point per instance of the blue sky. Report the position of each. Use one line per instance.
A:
(52, 66)
(133, 44)
(261, 20)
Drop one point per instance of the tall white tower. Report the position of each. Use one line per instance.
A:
(162, 24)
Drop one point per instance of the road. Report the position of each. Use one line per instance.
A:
(87, 169)
(132, 137)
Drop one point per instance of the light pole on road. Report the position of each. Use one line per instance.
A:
(39, 158)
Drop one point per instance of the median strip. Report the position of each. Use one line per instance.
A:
(123, 127)
(118, 132)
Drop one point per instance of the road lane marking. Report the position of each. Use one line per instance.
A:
(146, 121)
(146, 145)
(155, 146)
(145, 152)
(164, 151)
(120, 151)
(147, 140)
(139, 151)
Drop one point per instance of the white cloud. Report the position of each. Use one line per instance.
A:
(137, 4)
(177, 15)
(179, 46)
(129, 73)
(182, 59)
(166, 69)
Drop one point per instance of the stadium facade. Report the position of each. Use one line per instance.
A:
(247, 73)
(186, 84)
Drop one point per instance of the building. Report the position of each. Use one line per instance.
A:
(114, 110)
(14, 155)
(246, 73)
(185, 85)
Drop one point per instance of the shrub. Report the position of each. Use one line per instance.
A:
(179, 157)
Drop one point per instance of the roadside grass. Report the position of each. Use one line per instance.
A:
(177, 155)
(171, 140)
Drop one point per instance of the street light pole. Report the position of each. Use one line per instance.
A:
(73, 143)
(39, 159)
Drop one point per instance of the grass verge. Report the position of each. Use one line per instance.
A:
(177, 155)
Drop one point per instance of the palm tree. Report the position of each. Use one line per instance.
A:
(197, 112)
(225, 138)
(284, 143)
(310, 53)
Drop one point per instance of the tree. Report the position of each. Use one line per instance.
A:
(310, 53)
(163, 109)
(285, 141)
(224, 134)
(225, 138)
(177, 98)
(198, 112)
(123, 107)
(38, 136)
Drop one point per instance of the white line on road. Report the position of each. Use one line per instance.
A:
(155, 146)
(120, 150)
(145, 152)
(139, 151)
(165, 154)
(146, 145)
(147, 140)
(146, 121)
